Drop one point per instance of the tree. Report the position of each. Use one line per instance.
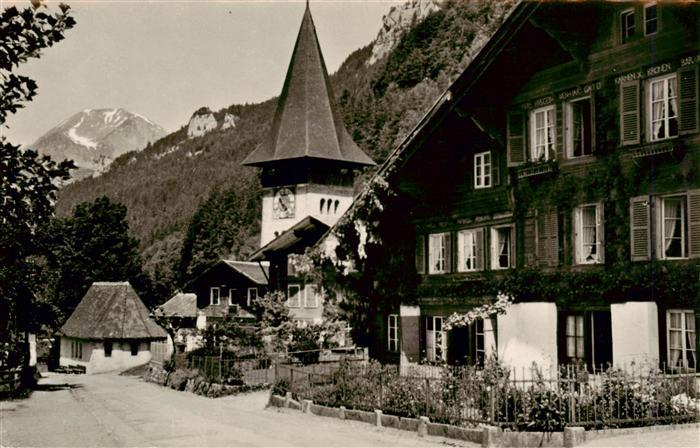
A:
(93, 245)
(28, 182)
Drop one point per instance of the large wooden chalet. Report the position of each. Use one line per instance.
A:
(569, 148)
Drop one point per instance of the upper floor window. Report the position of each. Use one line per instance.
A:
(663, 110)
(542, 135)
(651, 20)
(293, 296)
(579, 130)
(214, 295)
(627, 25)
(482, 170)
(680, 327)
(588, 234)
(393, 333)
(438, 256)
(251, 296)
(470, 250)
(502, 247)
(673, 227)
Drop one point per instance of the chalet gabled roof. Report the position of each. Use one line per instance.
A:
(303, 234)
(256, 272)
(307, 123)
(111, 310)
(181, 304)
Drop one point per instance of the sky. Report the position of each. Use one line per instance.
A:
(165, 59)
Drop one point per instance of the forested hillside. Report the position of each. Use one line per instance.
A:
(190, 201)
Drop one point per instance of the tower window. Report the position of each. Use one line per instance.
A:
(335, 207)
(323, 202)
(329, 202)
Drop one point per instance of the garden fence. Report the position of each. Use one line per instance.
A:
(10, 380)
(468, 396)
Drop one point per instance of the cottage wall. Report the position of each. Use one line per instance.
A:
(94, 359)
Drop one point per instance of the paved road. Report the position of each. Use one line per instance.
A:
(686, 437)
(110, 410)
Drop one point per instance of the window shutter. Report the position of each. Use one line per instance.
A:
(420, 254)
(576, 229)
(516, 138)
(513, 259)
(495, 168)
(558, 131)
(629, 113)
(639, 228)
(548, 238)
(694, 224)
(448, 252)
(479, 237)
(600, 231)
(529, 241)
(688, 97)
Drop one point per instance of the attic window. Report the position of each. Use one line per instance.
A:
(627, 27)
(651, 20)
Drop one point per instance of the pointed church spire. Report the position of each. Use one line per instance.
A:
(307, 124)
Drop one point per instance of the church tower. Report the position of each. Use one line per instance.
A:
(308, 159)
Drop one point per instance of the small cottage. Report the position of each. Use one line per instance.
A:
(110, 329)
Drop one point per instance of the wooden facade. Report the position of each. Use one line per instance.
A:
(562, 149)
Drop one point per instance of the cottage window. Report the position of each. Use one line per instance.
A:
(588, 234)
(482, 170)
(438, 245)
(470, 250)
(651, 20)
(294, 296)
(579, 131)
(214, 295)
(680, 325)
(310, 296)
(542, 134)
(663, 109)
(76, 349)
(673, 236)
(435, 339)
(232, 292)
(108, 349)
(252, 296)
(574, 338)
(134, 348)
(502, 247)
(393, 333)
(627, 26)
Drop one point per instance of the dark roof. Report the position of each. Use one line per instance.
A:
(303, 234)
(111, 310)
(253, 270)
(306, 123)
(181, 304)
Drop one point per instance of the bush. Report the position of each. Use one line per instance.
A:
(178, 379)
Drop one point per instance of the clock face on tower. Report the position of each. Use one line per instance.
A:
(283, 203)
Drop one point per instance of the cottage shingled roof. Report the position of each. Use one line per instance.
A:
(181, 304)
(111, 310)
(256, 272)
(306, 123)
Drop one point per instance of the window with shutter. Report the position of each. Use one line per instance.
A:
(629, 112)
(439, 253)
(516, 138)
(639, 228)
(469, 250)
(548, 238)
(543, 133)
(588, 234)
(688, 93)
(530, 242)
(502, 247)
(420, 254)
(662, 108)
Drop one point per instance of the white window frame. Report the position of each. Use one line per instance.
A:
(494, 247)
(479, 340)
(546, 153)
(685, 347)
(578, 234)
(624, 37)
(437, 253)
(646, 7)
(462, 245)
(211, 295)
(310, 291)
(650, 107)
(662, 226)
(250, 297)
(578, 336)
(570, 127)
(482, 170)
(392, 333)
(231, 296)
(435, 339)
(297, 302)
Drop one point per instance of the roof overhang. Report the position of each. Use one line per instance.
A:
(303, 234)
